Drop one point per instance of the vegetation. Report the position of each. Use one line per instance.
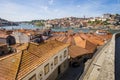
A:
(105, 23)
(39, 24)
(99, 22)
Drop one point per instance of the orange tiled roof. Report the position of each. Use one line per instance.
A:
(85, 41)
(90, 47)
(9, 66)
(75, 51)
(25, 62)
(93, 39)
(77, 41)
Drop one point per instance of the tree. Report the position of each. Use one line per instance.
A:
(39, 24)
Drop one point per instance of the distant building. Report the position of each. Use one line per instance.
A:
(7, 38)
(25, 36)
(92, 19)
(101, 32)
(107, 16)
(38, 62)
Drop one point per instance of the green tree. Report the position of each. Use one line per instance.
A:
(39, 23)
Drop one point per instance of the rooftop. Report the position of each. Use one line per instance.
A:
(18, 65)
(76, 41)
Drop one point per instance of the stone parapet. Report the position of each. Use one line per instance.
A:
(102, 64)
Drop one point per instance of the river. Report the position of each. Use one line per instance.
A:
(58, 29)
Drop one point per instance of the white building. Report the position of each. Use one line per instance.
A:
(27, 36)
(38, 62)
(101, 32)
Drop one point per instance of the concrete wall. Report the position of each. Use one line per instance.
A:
(51, 72)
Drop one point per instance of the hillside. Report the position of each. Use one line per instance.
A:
(4, 22)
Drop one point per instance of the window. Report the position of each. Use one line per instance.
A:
(40, 75)
(33, 77)
(46, 69)
(56, 60)
(65, 53)
(60, 58)
(52, 65)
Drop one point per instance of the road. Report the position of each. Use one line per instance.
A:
(72, 73)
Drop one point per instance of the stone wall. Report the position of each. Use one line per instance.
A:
(102, 64)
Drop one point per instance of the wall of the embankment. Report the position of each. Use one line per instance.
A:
(102, 64)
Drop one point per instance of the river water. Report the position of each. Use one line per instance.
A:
(58, 29)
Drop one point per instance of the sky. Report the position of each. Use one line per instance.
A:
(26, 10)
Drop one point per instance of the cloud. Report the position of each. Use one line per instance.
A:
(50, 2)
(44, 9)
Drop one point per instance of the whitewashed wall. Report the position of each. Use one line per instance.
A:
(21, 37)
(41, 68)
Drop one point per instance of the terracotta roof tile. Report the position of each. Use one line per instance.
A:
(38, 54)
(9, 66)
(76, 51)
(80, 43)
(90, 47)
(19, 65)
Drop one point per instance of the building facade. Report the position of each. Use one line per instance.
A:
(44, 61)
(51, 69)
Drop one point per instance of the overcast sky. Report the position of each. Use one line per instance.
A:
(23, 10)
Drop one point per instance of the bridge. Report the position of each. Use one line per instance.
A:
(105, 64)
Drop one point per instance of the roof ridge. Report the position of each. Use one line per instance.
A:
(19, 65)
(81, 37)
(33, 43)
(7, 56)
